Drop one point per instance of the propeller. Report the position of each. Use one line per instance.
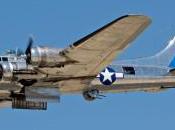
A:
(28, 50)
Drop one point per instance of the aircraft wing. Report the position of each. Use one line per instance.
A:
(5, 104)
(96, 50)
(4, 99)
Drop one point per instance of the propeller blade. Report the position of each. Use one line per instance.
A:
(28, 50)
(29, 46)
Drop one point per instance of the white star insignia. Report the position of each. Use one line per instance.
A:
(107, 75)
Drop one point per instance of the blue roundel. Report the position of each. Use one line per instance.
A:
(107, 76)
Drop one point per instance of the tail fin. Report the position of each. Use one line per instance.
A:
(166, 57)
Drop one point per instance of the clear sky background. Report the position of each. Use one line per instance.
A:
(58, 23)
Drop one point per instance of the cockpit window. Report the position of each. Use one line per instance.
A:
(10, 52)
(0, 58)
(4, 59)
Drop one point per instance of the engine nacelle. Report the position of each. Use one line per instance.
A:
(6, 71)
(47, 57)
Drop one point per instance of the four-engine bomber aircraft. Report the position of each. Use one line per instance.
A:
(29, 80)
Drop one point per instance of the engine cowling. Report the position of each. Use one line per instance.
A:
(6, 71)
(47, 57)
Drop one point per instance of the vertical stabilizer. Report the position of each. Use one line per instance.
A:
(167, 55)
(165, 58)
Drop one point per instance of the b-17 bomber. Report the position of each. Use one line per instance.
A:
(31, 79)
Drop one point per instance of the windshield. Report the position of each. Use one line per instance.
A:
(4, 59)
(17, 52)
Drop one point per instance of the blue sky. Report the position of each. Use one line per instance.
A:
(59, 23)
